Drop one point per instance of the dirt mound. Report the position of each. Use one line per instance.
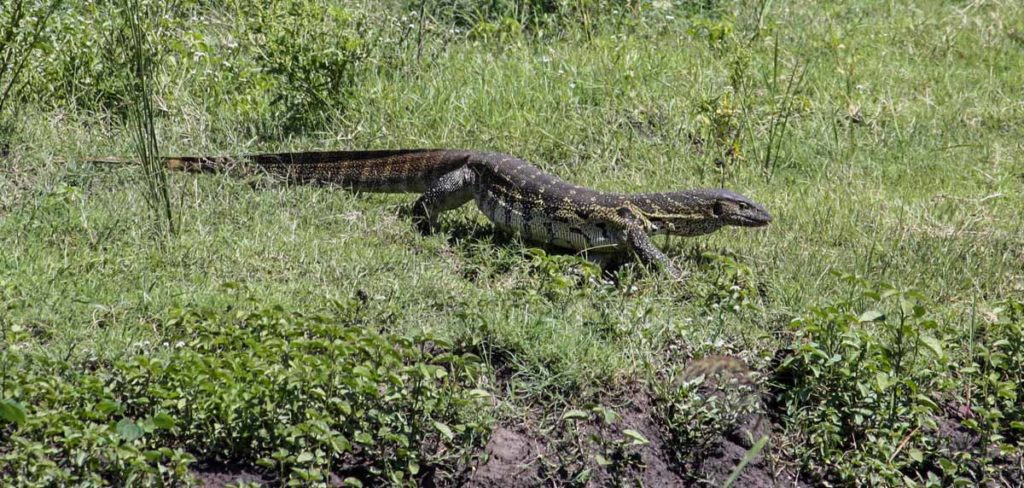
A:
(631, 449)
(512, 460)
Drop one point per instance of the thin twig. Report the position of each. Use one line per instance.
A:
(903, 443)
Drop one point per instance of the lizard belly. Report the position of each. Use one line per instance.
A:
(538, 224)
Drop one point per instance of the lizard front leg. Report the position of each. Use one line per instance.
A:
(450, 191)
(639, 243)
(632, 234)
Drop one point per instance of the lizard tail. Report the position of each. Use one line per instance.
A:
(389, 171)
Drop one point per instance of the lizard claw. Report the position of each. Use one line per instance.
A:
(424, 226)
(677, 274)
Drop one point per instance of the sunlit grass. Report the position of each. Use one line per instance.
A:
(884, 139)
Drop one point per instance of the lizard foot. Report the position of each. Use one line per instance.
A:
(424, 226)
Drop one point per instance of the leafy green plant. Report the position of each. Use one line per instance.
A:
(561, 274)
(592, 439)
(85, 50)
(311, 50)
(21, 27)
(470, 15)
(299, 398)
(995, 386)
(719, 123)
(274, 67)
(860, 385)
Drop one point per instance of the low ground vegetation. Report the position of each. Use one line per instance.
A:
(304, 335)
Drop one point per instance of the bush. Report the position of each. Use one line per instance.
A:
(857, 386)
(508, 18)
(276, 65)
(296, 397)
(310, 50)
(21, 27)
(995, 380)
(468, 13)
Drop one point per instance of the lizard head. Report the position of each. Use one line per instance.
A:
(701, 211)
(734, 209)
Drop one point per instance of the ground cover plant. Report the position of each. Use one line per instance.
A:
(306, 335)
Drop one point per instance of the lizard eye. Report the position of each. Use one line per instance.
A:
(718, 209)
(744, 206)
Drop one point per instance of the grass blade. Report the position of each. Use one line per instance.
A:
(751, 454)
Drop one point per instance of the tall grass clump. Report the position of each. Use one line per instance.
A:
(783, 106)
(140, 117)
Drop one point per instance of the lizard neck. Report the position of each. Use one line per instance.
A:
(680, 213)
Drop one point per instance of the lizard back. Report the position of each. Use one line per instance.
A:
(521, 198)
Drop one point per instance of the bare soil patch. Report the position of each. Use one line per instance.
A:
(587, 451)
(218, 476)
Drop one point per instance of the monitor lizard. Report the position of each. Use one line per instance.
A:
(515, 195)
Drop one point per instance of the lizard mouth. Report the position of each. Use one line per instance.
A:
(745, 221)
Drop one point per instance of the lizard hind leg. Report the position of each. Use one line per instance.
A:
(448, 192)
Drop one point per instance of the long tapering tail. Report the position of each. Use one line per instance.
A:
(391, 171)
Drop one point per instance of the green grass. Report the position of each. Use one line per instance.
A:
(923, 190)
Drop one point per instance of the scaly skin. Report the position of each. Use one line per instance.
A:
(514, 194)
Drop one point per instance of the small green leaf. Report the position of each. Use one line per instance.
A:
(478, 393)
(575, 414)
(345, 407)
(163, 421)
(353, 482)
(608, 414)
(445, 430)
(13, 412)
(363, 438)
(749, 456)
(107, 406)
(304, 457)
(916, 455)
(265, 462)
(928, 402)
(602, 461)
(871, 316)
(882, 380)
(637, 437)
(933, 344)
(362, 371)
(129, 430)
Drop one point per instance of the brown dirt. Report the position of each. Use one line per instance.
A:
(512, 460)
(520, 458)
(219, 476)
(1009, 469)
